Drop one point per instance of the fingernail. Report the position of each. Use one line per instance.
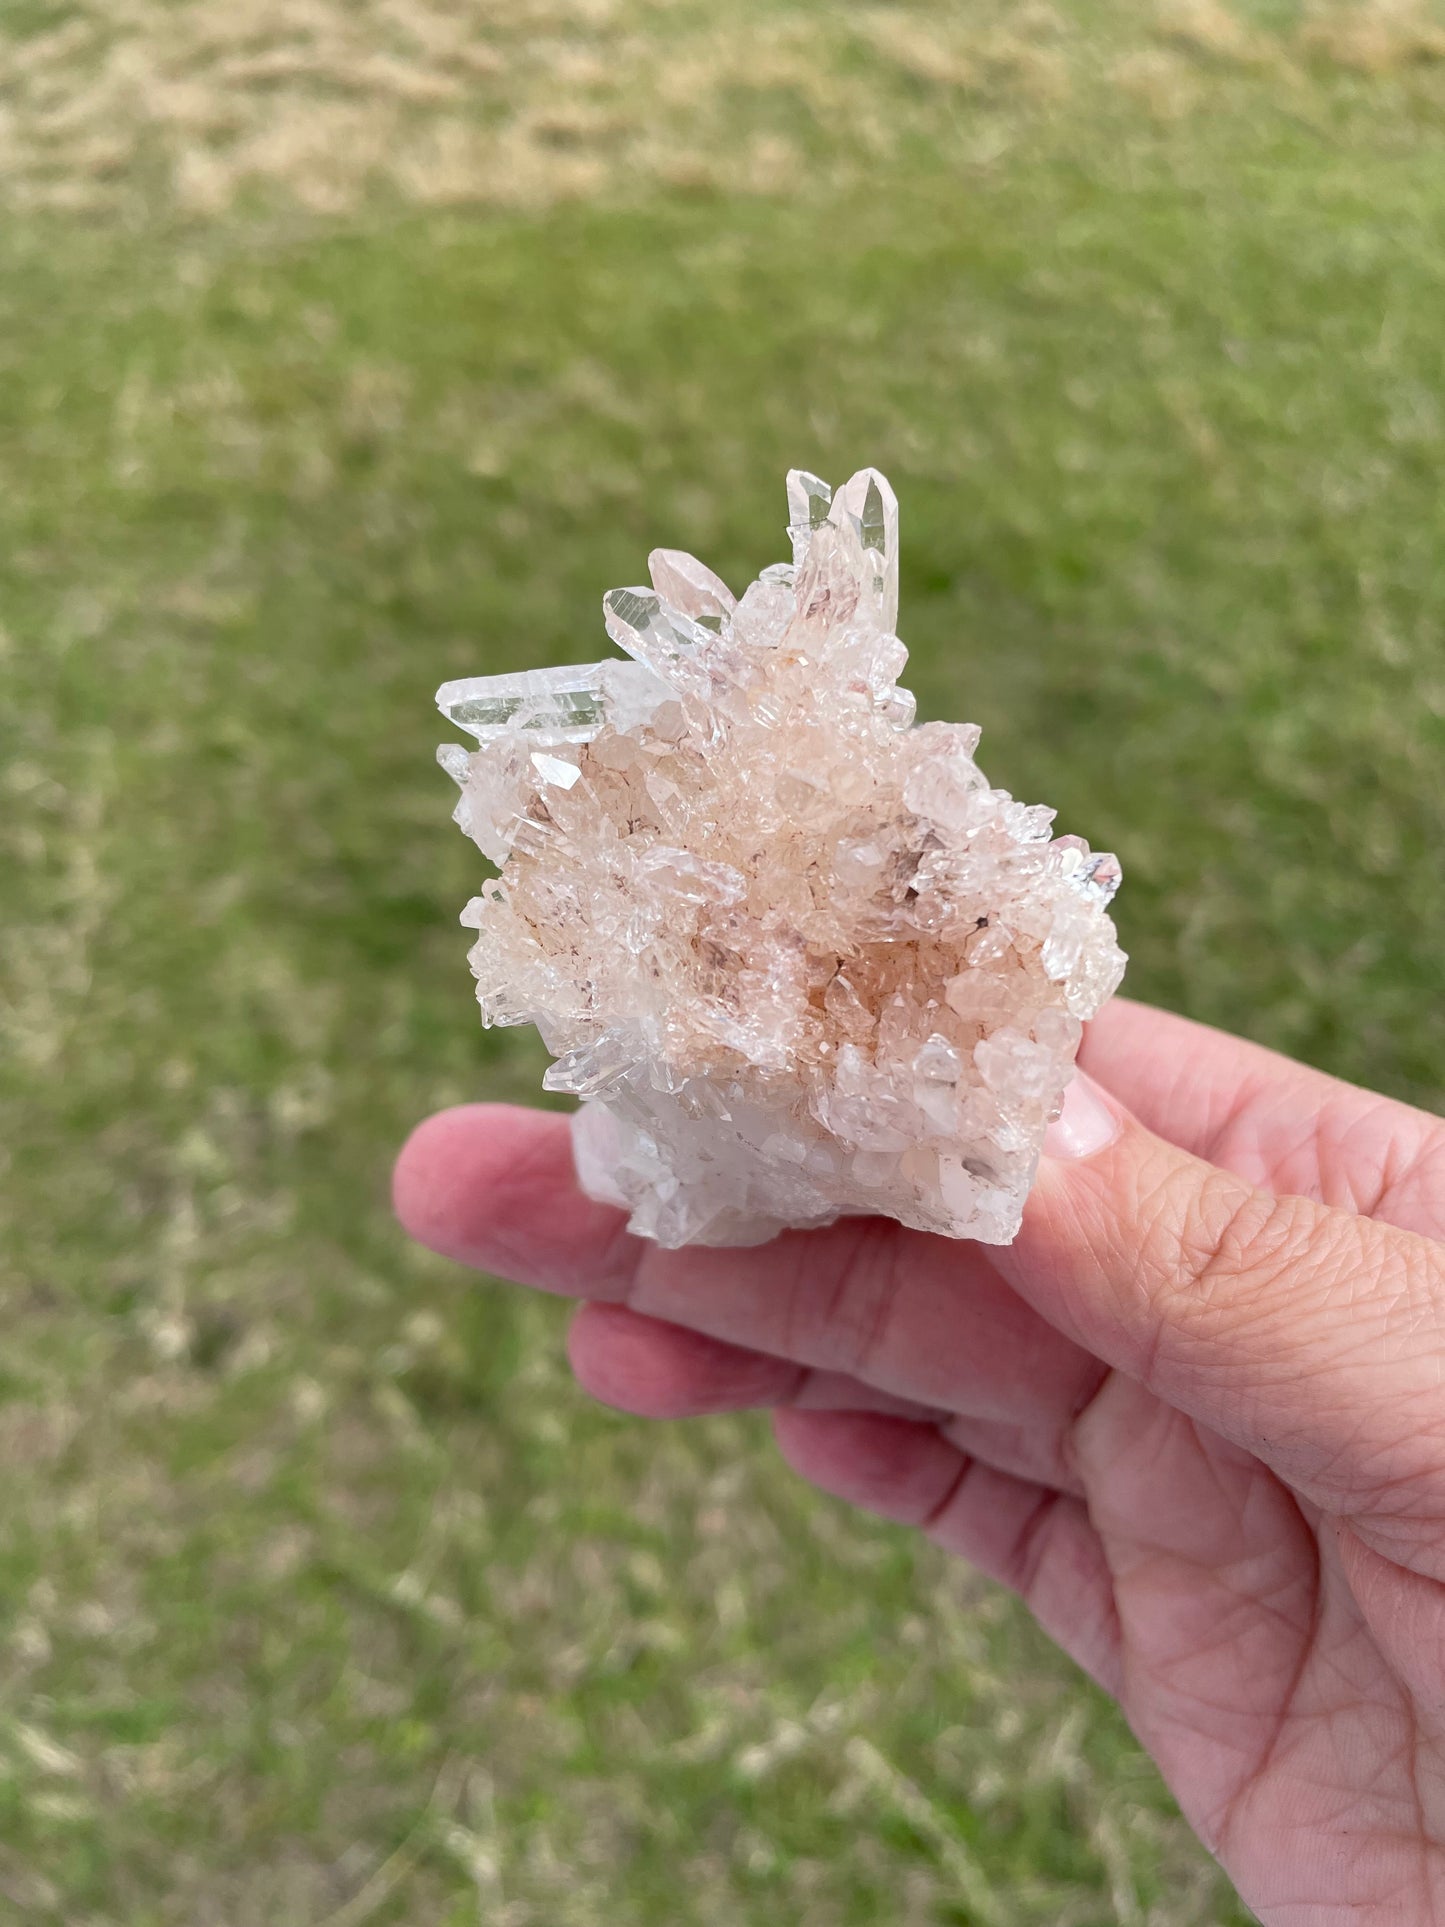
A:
(1085, 1125)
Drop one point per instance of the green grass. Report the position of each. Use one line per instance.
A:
(323, 1595)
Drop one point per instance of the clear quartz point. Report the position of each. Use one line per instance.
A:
(660, 637)
(792, 954)
(870, 503)
(690, 587)
(568, 705)
(590, 1068)
(809, 499)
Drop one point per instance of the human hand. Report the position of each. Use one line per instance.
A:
(1195, 1415)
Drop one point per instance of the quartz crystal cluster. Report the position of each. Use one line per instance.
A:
(794, 954)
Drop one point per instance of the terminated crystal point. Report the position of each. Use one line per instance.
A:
(795, 957)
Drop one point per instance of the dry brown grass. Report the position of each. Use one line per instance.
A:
(1210, 28)
(503, 105)
(1378, 37)
(1159, 79)
(146, 107)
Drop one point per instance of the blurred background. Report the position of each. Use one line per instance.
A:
(351, 345)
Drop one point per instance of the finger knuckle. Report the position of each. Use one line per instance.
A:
(858, 1296)
(1232, 1248)
(1030, 1543)
(1385, 1161)
(1250, 1239)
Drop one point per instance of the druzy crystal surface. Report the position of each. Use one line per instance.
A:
(793, 953)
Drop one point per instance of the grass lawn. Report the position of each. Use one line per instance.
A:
(344, 350)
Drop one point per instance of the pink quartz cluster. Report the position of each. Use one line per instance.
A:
(794, 954)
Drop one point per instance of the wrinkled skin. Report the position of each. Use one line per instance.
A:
(1195, 1415)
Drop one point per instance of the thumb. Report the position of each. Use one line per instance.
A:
(1312, 1337)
